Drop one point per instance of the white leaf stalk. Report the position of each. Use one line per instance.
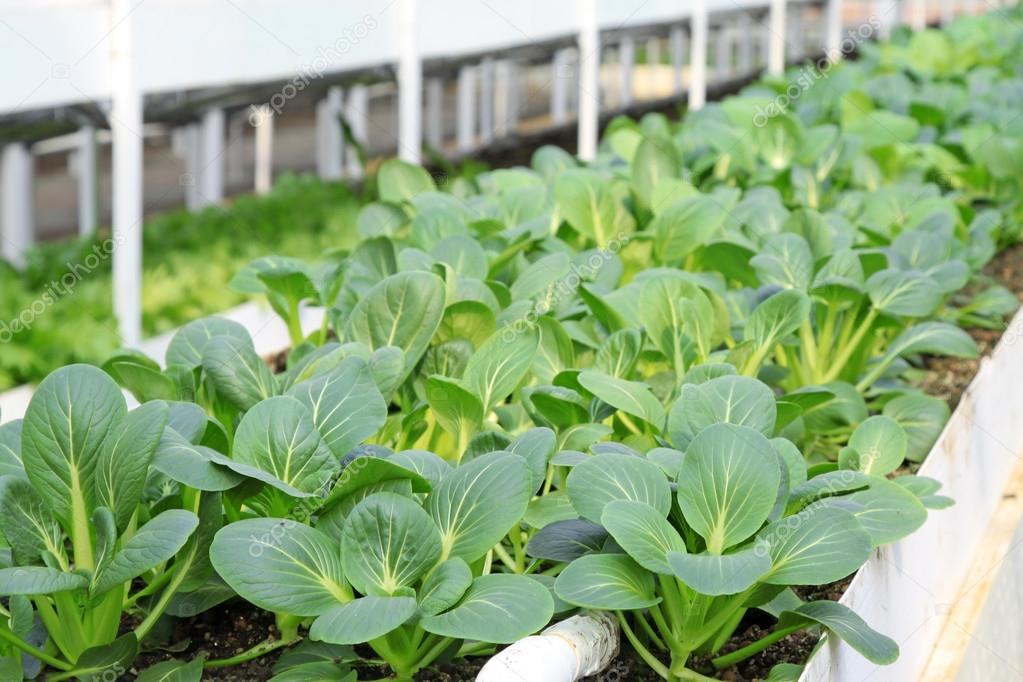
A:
(580, 646)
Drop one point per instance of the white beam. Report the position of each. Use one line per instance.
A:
(17, 202)
(626, 67)
(776, 38)
(126, 131)
(589, 80)
(330, 140)
(357, 116)
(465, 123)
(698, 56)
(262, 118)
(211, 160)
(88, 183)
(410, 86)
(435, 113)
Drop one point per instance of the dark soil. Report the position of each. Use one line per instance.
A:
(948, 378)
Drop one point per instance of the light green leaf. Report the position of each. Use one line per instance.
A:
(643, 533)
(36, 580)
(880, 445)
(154, 543)
(816, 546)
(173, 671)
(124, 460)
(601, 479)
(632, 397)
(498, 366)
(444, 586)
(845, 623)
(399, 181)
(237, 372)
(612, 582)
(362, 620)
(720, 574)
(188, 346)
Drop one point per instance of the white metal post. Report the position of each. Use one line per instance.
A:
(435, 113)
(410, 86)
(211, 164)
(560, 77)
(888, 15)
(262, 118)
(698, 56)
(626, 66)
(357, 116)
(126, 131)
(330, 147)
(776, 38)
(17, 202)
(234, 155)
(723, 52)
(653, 51)
(794, 37)
(745, 39)
(918, 16)
(88, 184)
(188, 138)
(503, 97)
(677, 38)
(589, 80)
(487, 77)
(465, 120)
(948, 8)
(833, 30)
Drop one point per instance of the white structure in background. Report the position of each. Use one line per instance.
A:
(120, 51)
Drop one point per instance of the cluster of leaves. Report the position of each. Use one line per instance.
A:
(674, 384)
(57, 310)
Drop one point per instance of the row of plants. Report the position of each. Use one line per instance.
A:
(674, 384)
(57, 309)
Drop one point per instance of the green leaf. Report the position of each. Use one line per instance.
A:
(71, 414)
(280, 565)
(345, 405)
(362, 620)
(655, 161)
(10, 449)
(632, 397)
(843, 621)
(500, 364)
(154, 543)
(36, 580)
(922, 417)
(602, 479)
(444, 586)
(470, 320)
(777, 317)
(497, 608)
(720, 574)
(643, 533)
(880, 445)
(909, 293)
(237, 372)
(399, 181)
(278, 436)
(189, 344)
(816, 546)
(566, 539)
(536, 446)
(728, 484)
(935, 338)
(403, 310)
(192, 465)
(730, 399)
(475, 505)
(457, 409)
(100, 662)
(684, 226)
(587, 204)
(29, 527)
(387, 544)
(124, 460)
(885, 510)
(612, 582)
(173, 671)
(786, 261)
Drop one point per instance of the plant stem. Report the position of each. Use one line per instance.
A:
(505, 558)
(294, 324)
(643, 652)
(849, 348)
(745, 652)
(17, 642)
(435, 651)
(255, 652)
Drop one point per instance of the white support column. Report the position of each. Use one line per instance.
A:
(745, 40)
(626, 67)
(17, 202)
(833, 30)
(262, 118)
(487, 77)
(235, 153)
(794, 37)
(88, 183)
(357, 116)
(435, 113)
(561, 77)
(410, 86)
(465, 121)
(723, 52)
(698, 56)
(589, 80)
(918, 14)
(776, 38)
(504, 98)
(888, 15)
(329, 138)
(126, 130)
(653, 51)
(677, 38)
(948, 11)
(186, 143)
(211, 159)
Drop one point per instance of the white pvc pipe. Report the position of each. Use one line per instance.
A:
(698, 56)
(211, 165)
(574, 648)
(357, 116)
(410, 86)
(589, 80)
(16, 202)
(776, 38)
(126, 131)
(88, 185)
(465, 120)
(677, 38)
(626, 66)
(262, 118)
